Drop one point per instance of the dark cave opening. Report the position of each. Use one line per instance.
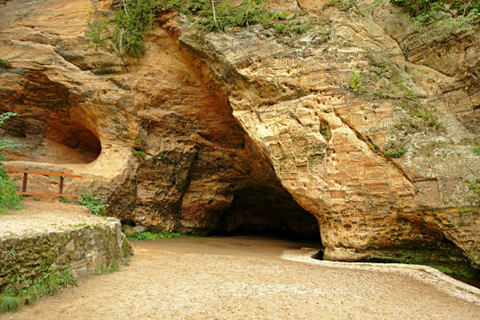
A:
(267, 211)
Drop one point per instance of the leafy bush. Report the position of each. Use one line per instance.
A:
(355, 83)
(132, 21)
(9, 200)
(93, 203)
(126, 30)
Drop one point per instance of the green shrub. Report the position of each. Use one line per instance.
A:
(131, 23)
(140, 154)
(396, 153)
(355, 83)
(4, 64)
(9, 200)
(97, 33)
(93, 203)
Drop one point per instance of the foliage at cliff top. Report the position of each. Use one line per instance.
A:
(135, 18)
(217, 15)
(427, 10)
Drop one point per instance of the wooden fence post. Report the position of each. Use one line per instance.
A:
(25, 179)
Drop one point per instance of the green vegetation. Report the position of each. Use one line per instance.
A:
(342, 5)
(152, 236)
(97, 32)
(6, 144)
(133, 19)
(104, 270)
(474, 186)
(397, 152)
(21, 291)
(355, 83)
(139, 149)
(64, 199)
(424, 10)
(446, 261)
(131, 22)
(9, 200)
(419, 118)
(4, 64)
(140, 154)
(93, 203)
(125, 31)
(325, 130)
(476, 148)
(213, 16)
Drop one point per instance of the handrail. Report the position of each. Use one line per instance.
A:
(62, 176)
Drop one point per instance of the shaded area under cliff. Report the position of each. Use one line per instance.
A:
(267, 210)
(49, 127)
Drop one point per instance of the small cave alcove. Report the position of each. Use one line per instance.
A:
(268, 211)
(58, 142)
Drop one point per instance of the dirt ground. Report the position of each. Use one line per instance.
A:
(246, 278)
(44, 216)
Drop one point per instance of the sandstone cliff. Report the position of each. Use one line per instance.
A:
(363, 125)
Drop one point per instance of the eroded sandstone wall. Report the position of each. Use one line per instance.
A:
(227, 126)
(329, 146)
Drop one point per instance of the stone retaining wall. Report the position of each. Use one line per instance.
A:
(82, 250)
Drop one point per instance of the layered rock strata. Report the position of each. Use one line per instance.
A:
(357, 123)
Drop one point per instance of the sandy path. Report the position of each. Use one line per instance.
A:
(244, 278)
(45, 216)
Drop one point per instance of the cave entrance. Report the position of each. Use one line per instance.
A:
(58, 142)
(48, 128)
(268, 211)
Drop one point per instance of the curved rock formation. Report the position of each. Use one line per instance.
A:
(356, 126)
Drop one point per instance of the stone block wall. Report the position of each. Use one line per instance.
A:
(82, 250)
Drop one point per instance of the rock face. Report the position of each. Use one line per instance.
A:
(356, 126)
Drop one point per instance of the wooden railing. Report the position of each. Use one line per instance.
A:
(62, 176)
